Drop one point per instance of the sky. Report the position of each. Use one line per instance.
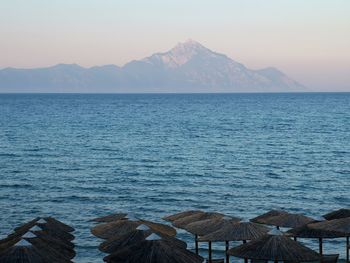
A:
(309, 40)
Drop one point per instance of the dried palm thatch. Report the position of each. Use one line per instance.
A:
(341, 225)
(26, 251)
(207, 226)
(48, 221)
(47, 237)
(54, 222)
(261, 218)
(274, 248)
(110, 218)
(38, 237)
(154, 250)
(237, 231)
(47, 251)
(24, 227)
(184, 221)
(288, 220)
(56, 233)
(23, 252)
(56, 230)
(176, 216)
(121, 227)
(119, 242)
(57, 245)
(337, 214)
(307, 231)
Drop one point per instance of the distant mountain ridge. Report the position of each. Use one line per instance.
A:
(188, 67)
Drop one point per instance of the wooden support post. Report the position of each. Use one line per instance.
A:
(245, 260)
(209, 248)
(295, 238)
(226, 249)
(196, 243)
(347, 249)
(320, 246)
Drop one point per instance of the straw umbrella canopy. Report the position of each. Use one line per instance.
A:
(337, 214)
(48, 221)
(23, 251)
(341, 226)
(154, 249)
(64, 249)
(184, 221)
(275, 247)
(121, 227)
(179, 215)
(203, 227)
(30, 250)
(261, 218)
(138, 235)
(307, 231)
(48, 251)
(288, 220)
(54, 229)
(53, 221)
(40, 233)
(110, 218)
(236, 231)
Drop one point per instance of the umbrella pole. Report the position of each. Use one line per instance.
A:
(209, 245)
(196, 243)
(347, 249)
(227, 255)
(320, 246)
(245, 259)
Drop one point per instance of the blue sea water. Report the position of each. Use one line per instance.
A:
(78, 156)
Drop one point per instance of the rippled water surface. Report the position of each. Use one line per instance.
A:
(81, 156)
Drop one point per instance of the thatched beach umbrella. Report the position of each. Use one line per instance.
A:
(121, 227)
(337, 214)
(184, 221)
(48, 221)
(38, 233)
(275, 247)
(341, 226)
(138, 235)
(110, 218)
(207, 226)
(39, 238)
(261, 218)
(55, 254)
(21, 252)
(56, 230)
(154, 250)
(287, 220)
(59, 224)
(307, 232)
(195, 217)
(179, 215)
(236, 231)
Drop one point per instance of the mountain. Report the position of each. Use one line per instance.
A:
(188, 67)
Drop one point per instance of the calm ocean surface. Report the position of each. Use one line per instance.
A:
(77, 157)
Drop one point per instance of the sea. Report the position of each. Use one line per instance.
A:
(80, 156)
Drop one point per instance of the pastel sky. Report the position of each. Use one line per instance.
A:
(307, 39)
